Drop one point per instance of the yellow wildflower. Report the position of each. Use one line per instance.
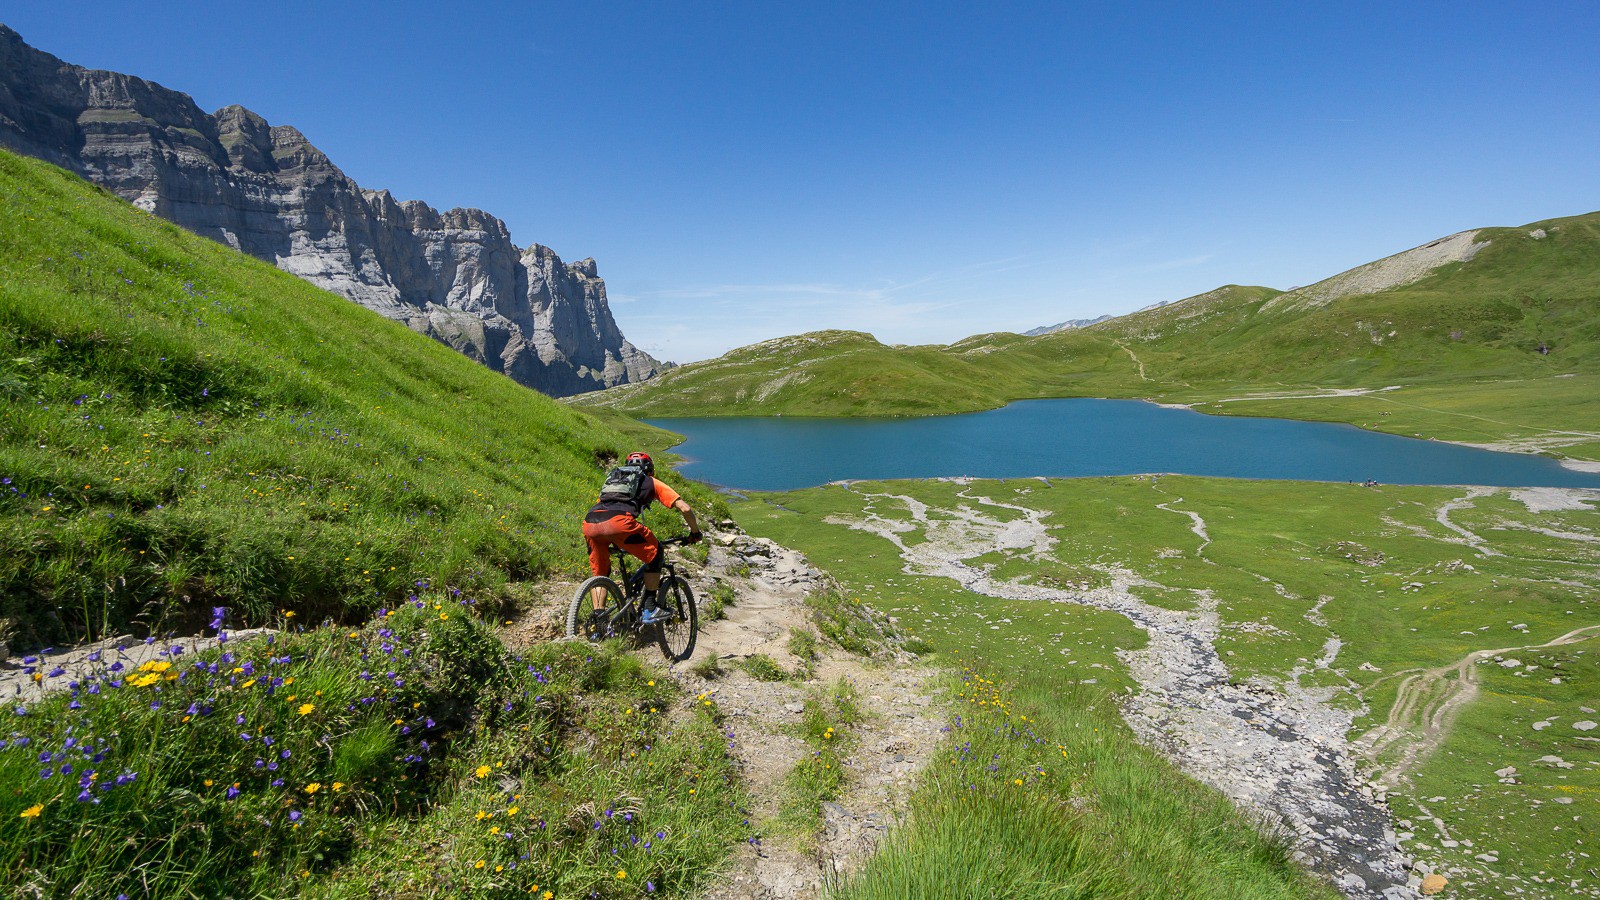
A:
(313, 787)
(622, 873)
(33, 811)
(338, 786)
(482, 771)
(478, 864)
(307, 708)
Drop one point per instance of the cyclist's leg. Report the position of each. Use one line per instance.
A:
(600, 537)
(643, 545)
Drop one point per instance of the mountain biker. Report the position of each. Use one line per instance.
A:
(614, 521)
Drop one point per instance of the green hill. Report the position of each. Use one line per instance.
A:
(188, 427)
(1492, 335)
(192, 435)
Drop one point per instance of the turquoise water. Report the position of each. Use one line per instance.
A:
(1078, 438)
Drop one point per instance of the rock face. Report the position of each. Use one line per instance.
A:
(1065, 326)
(265, 190)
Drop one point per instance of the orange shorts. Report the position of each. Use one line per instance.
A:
(620, 531)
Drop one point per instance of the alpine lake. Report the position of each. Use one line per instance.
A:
(1076, 438)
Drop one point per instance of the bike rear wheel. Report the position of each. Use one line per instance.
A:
(579, 621)
(676, 636)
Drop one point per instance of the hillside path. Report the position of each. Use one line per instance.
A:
(898, 733)
(1426, 706)
(899, 730)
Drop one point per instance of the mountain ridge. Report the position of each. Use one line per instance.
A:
(1485, 321)
(267, 191)
(1065, 326)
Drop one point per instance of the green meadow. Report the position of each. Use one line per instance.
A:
(1407, 580)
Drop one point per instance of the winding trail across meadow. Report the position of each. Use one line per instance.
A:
(1426, 706)
(1278, 752)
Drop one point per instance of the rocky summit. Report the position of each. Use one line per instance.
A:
(265, 190)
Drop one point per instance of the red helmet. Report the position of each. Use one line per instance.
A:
(642, 459)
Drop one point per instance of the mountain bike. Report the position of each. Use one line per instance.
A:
(675, 635)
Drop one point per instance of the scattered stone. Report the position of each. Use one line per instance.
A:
(1585, 725)
(1510, 663)
(1434, 883)
(1556, 761)
(1540, 726)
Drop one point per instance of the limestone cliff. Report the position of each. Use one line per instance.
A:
(265, 190)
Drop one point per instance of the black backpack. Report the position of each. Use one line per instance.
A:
(629, 485)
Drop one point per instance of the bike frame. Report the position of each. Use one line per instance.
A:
(632, 581)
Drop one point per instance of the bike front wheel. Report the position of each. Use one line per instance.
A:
(580, 621)
(676, 635)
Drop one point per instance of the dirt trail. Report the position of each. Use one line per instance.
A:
(1277, 750)
(1426, 707)
(1136, 360)
(897, 735)
(894, 740)
(1315, 394)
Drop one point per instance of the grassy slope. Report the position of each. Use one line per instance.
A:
(1463, 341)
(1404, 595)
(186, 426)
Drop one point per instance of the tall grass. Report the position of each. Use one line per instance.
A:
(1039, 792)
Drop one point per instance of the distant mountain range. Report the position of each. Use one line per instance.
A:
(1484, 306)
(1064, 326)
(265, 190)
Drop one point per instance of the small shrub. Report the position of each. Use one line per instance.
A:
(708, 668)
(715, 602)
(762, 667)
(803, 644)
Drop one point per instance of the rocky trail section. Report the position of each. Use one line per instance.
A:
(27, 678)
(896, 737)
(1278, 751)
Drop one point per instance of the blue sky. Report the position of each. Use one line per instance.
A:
(920, 171)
